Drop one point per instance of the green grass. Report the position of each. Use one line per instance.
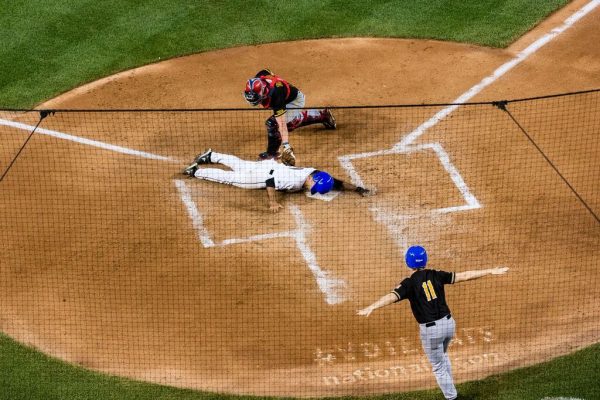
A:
(49, 47)
(29, 375)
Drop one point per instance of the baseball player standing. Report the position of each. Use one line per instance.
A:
(424, 289)
(266, 174)
(272, 92)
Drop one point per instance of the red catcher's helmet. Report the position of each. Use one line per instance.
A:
(256, 91)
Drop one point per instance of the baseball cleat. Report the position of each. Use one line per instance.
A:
(203, 158)
(190, 170)
(329, 121)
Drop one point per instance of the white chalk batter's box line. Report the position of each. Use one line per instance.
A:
(444, 158)
(331, 287)
(394, 221)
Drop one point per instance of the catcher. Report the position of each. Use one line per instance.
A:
(272, 92)
(266, 174)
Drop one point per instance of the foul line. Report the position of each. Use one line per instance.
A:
(88, 142)
(331, 287)
(499, 72)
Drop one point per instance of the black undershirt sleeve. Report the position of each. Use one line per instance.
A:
(447, 278)
(270, 182)
(401, 291)
(337, 184)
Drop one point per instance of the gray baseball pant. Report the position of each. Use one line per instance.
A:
(435, 340)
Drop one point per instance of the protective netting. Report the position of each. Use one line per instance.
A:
(114, 260)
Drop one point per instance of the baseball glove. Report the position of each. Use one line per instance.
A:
(287, 156)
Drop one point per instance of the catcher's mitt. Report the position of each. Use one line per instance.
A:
(287, 156)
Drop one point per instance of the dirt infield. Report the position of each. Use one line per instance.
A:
(141, 300)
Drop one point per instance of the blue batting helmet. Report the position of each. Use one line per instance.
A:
(416, 257)
(323, 183)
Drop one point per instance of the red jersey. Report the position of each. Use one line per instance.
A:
(280, 92)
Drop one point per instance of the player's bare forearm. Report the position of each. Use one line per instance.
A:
(382, 302)
(274, 206)
(283, 130)
(341, 185)
(470, 275)
(348, 186)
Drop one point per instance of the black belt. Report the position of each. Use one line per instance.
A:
(427, 325)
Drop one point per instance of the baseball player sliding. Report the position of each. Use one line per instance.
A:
(267, 174)
(424, 289)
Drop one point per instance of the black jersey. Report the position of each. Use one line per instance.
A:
(425, 291)
(280, 94)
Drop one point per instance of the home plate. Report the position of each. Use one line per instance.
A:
(325, 197)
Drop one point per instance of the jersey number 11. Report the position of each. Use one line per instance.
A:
(429, 292)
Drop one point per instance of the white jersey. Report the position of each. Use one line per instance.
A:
(289, 179)
(254, 174)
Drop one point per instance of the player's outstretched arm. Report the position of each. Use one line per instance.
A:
(338, 184)
(382, 302)
(469, 275)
